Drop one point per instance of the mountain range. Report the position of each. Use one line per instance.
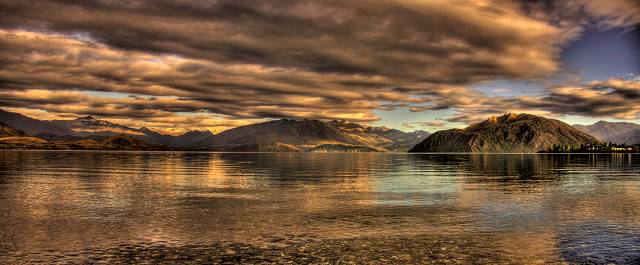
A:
(279, 135)
(508, 133)
(615, 132)
(92, 128)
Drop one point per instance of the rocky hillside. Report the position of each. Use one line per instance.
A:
(510, 133)
(381, 137)
(88, 126)
(121, 142)
(312, 135)
(8, 131)
(32, 126)
(303, 134)
(616, 132)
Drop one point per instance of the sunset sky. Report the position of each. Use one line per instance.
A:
(406, 64)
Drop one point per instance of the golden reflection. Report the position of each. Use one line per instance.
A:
(524, 193)
(517, 206)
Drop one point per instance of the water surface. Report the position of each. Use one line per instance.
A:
(168, 207)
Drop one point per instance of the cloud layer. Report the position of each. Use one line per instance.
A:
(221, 63)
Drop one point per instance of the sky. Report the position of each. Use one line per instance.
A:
(176, 65)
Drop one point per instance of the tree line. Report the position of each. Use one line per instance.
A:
(607, 147)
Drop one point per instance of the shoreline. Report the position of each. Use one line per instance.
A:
(266, 152)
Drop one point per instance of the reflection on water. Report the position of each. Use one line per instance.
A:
(520, 208)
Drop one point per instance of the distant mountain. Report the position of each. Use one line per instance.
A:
(91, 128)
(306, 135)
(32, 126)
(8, 131)
(189, 139)
(273, 136)
(509, 133)
(381, 137)
(616, 132)
(298, 134)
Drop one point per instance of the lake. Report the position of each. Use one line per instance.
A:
(182, 207)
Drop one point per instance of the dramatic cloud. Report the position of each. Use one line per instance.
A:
(425, 124)
(170, 63)
(613, 98)
(432, 41)
(572, 15)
